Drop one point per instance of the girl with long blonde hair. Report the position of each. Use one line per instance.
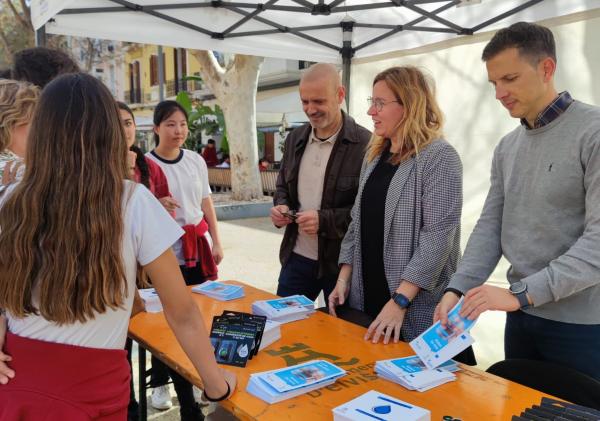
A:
(71, 235)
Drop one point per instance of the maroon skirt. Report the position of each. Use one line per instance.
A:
(57, 382)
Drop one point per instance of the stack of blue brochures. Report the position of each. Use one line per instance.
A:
(219, 290)
(438, 344)
(284, 383)
(151, 300)
(377, 406)
(412, 373)
(284, 310)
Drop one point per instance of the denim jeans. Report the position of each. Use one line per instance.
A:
(300, 276)
(572, 345)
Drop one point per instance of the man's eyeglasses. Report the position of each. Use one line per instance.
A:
(379, 103)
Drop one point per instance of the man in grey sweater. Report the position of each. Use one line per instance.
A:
(542, 212)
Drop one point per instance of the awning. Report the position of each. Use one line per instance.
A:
(314, 30)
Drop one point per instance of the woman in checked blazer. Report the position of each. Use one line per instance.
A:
(403, 243)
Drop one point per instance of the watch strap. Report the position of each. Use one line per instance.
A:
(401, 300)
(523, 301)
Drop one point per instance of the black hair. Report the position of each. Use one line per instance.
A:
(40, 65)
(211, 141)
(534, 42)
(164, 110)
(140, 159)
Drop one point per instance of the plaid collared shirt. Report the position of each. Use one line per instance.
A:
(551, 112)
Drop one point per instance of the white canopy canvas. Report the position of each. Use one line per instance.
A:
(313, 30)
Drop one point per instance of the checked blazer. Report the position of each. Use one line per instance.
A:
(421, 231)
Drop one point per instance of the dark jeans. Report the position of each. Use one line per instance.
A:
(160, 373)
(188, 408)
(192, 276)
(299, 276)
(572, 345)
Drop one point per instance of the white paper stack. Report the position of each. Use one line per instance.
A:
(411, 373)
(151, 300)
(271, 334)
(286, 309)
(285, 383)
(377, 406)
(219, 290)
(437, 344)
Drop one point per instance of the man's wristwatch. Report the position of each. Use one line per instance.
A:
(519, 290)
(401, 299)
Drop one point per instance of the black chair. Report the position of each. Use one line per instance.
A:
(562, 382)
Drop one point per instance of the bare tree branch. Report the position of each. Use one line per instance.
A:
(6, 44)
(27, 12)
(212, 72)
(90, 54)
(22, 21)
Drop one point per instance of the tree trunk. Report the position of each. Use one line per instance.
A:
(6, 45)
(235, 90)
(89, 60)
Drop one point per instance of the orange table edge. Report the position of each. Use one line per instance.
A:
(475, 395)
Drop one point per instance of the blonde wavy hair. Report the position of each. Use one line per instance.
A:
(17, 104)
(422, 121)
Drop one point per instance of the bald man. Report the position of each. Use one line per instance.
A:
(316, 186)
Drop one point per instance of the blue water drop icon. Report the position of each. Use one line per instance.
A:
(383, 409)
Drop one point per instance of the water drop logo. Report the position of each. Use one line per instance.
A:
(243, 351)
(382, 409)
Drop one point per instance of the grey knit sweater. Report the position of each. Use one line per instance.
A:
(542, 213)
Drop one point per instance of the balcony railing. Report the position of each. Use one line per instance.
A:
(137, 96)
(172, 87)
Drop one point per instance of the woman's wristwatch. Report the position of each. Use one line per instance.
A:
(402, 300)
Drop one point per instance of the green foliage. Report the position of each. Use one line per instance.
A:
(201, 118)
(260, 139)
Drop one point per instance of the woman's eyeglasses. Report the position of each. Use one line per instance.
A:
(379, 103)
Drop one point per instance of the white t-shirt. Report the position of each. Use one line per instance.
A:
(148, 231)
(188, 183)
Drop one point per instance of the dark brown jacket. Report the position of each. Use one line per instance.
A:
(339, 189)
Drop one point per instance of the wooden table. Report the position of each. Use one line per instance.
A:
(475, 395)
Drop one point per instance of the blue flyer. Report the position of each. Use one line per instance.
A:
(438, 337)
(287, 302)
(437, 344)
(301, 375)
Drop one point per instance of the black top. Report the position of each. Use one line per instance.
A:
(372, 211)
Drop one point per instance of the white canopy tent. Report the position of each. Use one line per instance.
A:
(316, 30)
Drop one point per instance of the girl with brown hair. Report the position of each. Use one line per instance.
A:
(72, 233)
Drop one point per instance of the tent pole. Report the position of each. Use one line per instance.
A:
(347, 63)
(40, 37)
(347, 25)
